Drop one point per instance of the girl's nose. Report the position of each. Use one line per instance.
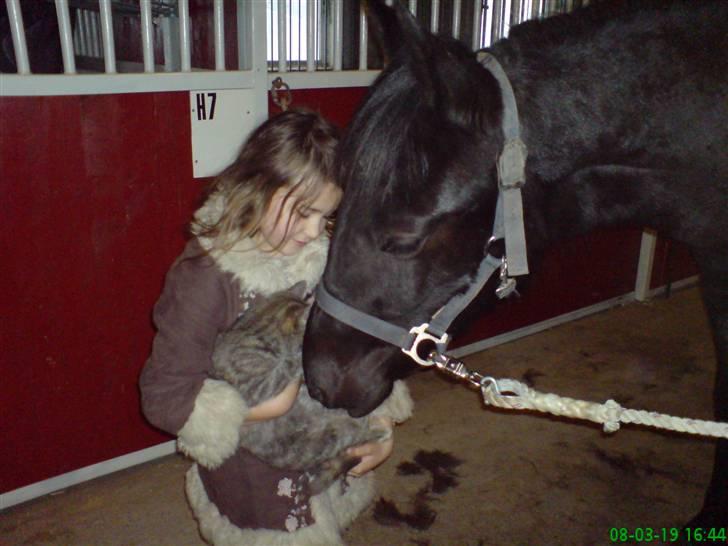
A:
(313, 227)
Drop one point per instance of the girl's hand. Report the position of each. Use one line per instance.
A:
(276, 406)
(373, 453)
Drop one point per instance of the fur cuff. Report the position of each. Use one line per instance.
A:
(212, 431)
(398, 406)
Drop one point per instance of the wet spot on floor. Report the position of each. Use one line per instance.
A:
(421, 517)
(441, 467)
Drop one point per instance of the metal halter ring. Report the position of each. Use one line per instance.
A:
(423, 335)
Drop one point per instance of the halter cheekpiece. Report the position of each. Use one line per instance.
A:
(508, 225)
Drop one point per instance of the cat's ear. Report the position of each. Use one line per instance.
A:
(294, 317)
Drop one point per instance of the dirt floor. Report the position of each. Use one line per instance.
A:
(468, 476)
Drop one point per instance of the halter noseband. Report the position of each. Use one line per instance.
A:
(508, 225)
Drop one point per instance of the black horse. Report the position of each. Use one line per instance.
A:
(624, 110)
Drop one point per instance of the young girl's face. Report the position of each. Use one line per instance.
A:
(291, 222)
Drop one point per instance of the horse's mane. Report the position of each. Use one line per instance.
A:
(399, 114)
(385, 122)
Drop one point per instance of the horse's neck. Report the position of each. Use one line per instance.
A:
(582, 109)
(570, 115)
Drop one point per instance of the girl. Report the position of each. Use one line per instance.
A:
(260, 232)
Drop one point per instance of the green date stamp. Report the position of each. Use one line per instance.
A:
(667, 534)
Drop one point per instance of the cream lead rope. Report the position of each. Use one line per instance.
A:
(514, 395)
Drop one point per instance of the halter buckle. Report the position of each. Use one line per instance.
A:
(423, 335)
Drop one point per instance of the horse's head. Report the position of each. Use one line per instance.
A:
(419, 166)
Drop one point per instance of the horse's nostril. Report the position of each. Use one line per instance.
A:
(316, 393)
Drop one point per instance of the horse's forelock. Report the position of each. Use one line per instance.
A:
(383, 140)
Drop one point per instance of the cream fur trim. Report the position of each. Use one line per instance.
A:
(264, 272)
(331, 510)
(212, 431)
(398, 406)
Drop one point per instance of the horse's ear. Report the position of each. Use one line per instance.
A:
(395, 27)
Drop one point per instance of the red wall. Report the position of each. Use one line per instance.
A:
(96, 192)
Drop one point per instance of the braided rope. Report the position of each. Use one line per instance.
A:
(511, 394)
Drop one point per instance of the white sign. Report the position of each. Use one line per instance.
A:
(221, 121)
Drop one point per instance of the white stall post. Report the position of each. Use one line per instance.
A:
(644, 266)
(15, 15)
(185, 38)
(338, 34)
(282, 36)
(477, 24)
(456, 9)
(311, 36)
(363, 41)
(435, 16)
(145, 9)
(66, 33)
(107, 34)
(219, 25)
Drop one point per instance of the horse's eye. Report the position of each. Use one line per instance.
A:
(403, 246)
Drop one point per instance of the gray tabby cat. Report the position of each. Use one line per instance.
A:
(260, 355)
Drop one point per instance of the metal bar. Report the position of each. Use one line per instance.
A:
(363, 40)
(282, 36)
(85, 25)
(66, 34)
(244, 19)
(338, 34)
(219, 23)
(456, 9)
(107, 33)
(15, 16)
(327, 14)
(435, 16)
(255, 26)
(298, 50)
(170, 44)
(311, 36)
(94, 28)
(77, 42)
(185, 36)
(496, 20)
(145, 8)
(477, 24)
(505, 20)
(488, 26)
(413, 7)
(515, 13)
(536, 9)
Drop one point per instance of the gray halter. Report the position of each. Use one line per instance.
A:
(508, 225)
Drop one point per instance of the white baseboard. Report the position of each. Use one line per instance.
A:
(531, 329)
(86, 473)
(138, 457)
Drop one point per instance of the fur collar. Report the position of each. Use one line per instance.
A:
(264, 272)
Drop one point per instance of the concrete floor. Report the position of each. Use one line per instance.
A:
(468, 476)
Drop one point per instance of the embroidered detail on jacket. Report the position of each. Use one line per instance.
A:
(291, 523)
(285, 488)
(297, 515)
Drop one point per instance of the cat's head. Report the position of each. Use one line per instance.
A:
(288, 312)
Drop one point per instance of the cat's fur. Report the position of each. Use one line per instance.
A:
(260, 355)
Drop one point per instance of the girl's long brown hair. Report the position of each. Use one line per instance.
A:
(291, 150)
